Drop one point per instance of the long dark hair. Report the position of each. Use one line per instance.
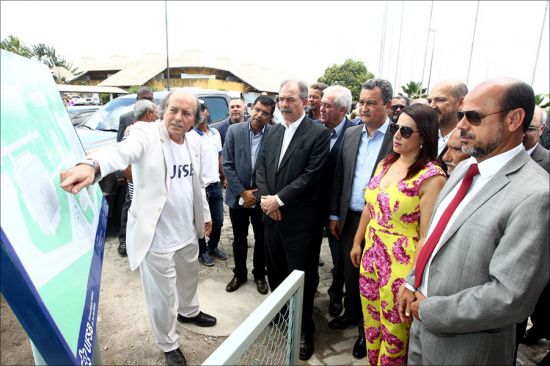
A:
(426, 122)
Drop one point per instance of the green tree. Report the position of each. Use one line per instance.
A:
(350, 74)
(14, 44)
(414, 90)
(541, 100)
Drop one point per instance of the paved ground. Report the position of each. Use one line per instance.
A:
(125, 335)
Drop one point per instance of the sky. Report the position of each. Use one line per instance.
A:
(392, 38)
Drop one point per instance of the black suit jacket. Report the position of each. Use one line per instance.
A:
(297, 179)
(345, 169)
(124, 121)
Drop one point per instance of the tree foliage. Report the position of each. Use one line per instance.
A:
(350, 74)
(541, 100)
(42, 53)
(414, 90)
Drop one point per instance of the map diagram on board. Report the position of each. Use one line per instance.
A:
(53, 233)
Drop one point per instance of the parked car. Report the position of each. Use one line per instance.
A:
(78, 100)
(101, 128)
(79, 114)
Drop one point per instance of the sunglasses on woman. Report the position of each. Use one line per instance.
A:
(474, 118)
(406, 132)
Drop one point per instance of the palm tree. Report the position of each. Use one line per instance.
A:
(14, 44)
(540, 100)
(414, 90)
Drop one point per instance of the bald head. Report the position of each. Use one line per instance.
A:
(446, 99)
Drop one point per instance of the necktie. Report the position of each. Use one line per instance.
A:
(430, 244)
(333, 134)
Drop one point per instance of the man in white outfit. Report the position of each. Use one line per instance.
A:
(169, 213)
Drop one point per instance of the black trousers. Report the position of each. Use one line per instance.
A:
(352, 298)
(240, 220)
(124, 216)
(287, 251)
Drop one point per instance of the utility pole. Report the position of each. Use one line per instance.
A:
(427, 42)
(399, 44)
(382, 41)
(431, 61)
(472, 47)
(540, 40)
(166, 27)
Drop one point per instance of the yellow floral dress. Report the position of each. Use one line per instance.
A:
(390, 244)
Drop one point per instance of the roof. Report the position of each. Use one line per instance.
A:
(66, 88)
(139, 72)
(87, 64)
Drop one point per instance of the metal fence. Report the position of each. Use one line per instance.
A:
(271, 334)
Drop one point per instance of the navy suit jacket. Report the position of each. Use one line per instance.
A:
(237, 168)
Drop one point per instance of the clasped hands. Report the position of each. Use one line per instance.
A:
(409, 304)
(270, 207)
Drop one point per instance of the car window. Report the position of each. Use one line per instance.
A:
(108, 117)
(217, 108)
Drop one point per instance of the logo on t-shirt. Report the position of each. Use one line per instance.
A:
(181, 171)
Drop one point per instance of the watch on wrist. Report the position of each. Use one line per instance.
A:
(94, 164)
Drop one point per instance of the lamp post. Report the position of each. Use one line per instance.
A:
(427, 41)
(472, 47)
(431, 60)
(166, 27)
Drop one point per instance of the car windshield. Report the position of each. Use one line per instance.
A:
(107, 118)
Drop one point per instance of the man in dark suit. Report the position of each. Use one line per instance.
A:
(236, 115)
(124, 121)
(362, 149)
(243, 143)
(334, 105)
(288, 173)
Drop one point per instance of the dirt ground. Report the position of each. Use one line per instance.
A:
(124, 331)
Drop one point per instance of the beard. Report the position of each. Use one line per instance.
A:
(479, 150)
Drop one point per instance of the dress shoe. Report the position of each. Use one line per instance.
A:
(342, 322)
(175, 358)
(334, 306)
(206, 260)
(306, 347)
(531, 337)
(234, 284)
(202, 320)
(218, 253)
(261, 286)
(122, 249)
(360, 348)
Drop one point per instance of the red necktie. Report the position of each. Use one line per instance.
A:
(429, 245)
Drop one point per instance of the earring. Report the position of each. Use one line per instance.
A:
(421, 146)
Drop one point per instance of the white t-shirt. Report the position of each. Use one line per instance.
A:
(175, 228)
(212, 148)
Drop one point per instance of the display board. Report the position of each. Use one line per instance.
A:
(51, 241)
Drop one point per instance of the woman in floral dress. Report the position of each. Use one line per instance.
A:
(399, 203)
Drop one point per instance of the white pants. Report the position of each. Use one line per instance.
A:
(170, 286)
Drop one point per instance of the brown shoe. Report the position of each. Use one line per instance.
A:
(234, 284)
(261, 286)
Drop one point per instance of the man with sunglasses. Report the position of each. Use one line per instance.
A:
(446, 98)
(485, 260)
(397, 104)
(362, 149)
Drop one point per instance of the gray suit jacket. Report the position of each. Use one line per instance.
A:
(345, 169)
(239, 173)
(541, 156)
(490, 269)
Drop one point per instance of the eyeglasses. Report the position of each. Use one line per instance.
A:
(474, 118)
(396, 107)
(406, 132)
(261, 113)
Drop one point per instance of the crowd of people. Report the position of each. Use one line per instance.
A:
(436, 212)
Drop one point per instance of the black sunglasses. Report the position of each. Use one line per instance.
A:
(406, 132)
(474, 118)
(396, 107)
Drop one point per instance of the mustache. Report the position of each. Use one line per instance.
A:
(466, 134)
(285, 110)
